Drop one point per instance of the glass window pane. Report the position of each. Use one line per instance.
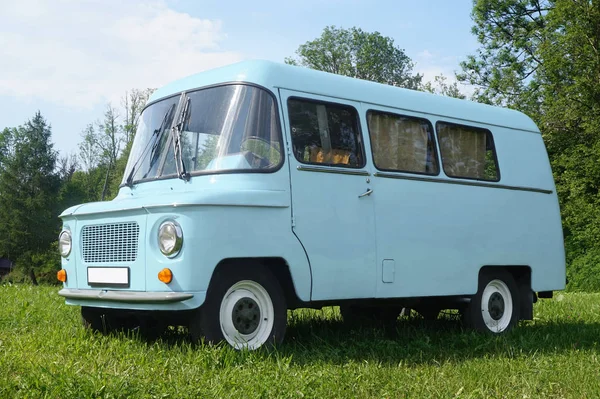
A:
(467, 152)
(402, 143)
(324, 133)
(232, 127)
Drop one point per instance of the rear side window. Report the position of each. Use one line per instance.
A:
(325, 133)
(402, 143)
(467, 152)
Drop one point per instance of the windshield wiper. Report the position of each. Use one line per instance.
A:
(156, 132)
(176, 133)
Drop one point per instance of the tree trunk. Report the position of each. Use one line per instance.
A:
(32, 277)
(106, 181)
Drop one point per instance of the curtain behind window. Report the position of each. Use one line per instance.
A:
(463, 150)
(400, 143)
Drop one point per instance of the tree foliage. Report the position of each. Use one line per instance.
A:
(542, 57)
(29, 191)
(359, 54)
(441, 86)
(36, 184)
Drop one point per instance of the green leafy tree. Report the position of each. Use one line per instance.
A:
(29, 187)
(441, 86)
(133, 102)
(110, 139)
(511, 33)
(542, 57)
(359, 54)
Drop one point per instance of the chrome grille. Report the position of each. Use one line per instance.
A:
(115, 242)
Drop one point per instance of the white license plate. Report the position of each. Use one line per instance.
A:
(108, 275)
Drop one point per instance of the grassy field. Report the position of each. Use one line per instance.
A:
(44, 352)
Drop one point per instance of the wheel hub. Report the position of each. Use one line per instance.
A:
(246, 316)
(496, 306)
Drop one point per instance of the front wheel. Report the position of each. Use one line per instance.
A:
(245, 306)
(495, 307)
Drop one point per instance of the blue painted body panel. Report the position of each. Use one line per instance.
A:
(409, 238)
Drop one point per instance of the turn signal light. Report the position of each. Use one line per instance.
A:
(165, 275)
(61, 275)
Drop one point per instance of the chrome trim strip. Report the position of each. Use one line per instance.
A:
(462, 182)
(125, 296)
(339, 171)
(172, 205)
(185, 204)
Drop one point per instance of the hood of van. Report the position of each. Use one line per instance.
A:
(161, 195)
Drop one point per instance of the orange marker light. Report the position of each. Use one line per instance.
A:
(62, 275)
(165, 275)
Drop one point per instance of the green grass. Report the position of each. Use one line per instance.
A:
(44, 352)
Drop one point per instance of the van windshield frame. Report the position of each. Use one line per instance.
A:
(240, 118)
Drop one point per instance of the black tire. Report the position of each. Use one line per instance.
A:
(357, 316)
(500, 311)
(207, 322)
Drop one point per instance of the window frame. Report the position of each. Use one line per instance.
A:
(433, 136)
(477, 128)
(361, 140)
(187, 91)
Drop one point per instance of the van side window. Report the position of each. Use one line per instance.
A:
(467, 152)
(325, 133)
(402, 143)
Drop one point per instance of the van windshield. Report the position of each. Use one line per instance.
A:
(225, 128)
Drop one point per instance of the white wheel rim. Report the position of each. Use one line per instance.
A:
(496, 306)
(239, 302)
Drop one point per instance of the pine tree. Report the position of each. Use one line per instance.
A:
(29, 187)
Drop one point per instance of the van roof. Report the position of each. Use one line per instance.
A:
(273, 75)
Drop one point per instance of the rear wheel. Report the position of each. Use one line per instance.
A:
(495, 307)
(245, 307)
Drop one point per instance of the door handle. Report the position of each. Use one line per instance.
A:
(366, 193)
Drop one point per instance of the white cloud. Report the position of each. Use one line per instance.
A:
(82, 53)
(425, 54)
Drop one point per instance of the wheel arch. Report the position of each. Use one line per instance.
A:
(277, 266)
(522, 276)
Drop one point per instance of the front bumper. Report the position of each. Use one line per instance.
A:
(125, 296)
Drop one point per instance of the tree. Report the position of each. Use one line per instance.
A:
(133, 102)
(442, 87)
(359, 54)
(511, 33)
(29, 187)
(543, 57)
(67, 165)
(105, 145)
(109, 140)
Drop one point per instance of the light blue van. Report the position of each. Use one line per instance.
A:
(261, 187)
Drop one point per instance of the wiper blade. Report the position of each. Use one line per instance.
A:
(129, 181)
(176, 133)
(155, 133)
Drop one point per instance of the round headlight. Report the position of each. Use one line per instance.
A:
(170, 238)
(64, 243)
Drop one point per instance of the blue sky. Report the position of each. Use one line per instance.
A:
(70, 58)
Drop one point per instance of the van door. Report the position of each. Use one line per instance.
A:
(330, 183)
(408, 216)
